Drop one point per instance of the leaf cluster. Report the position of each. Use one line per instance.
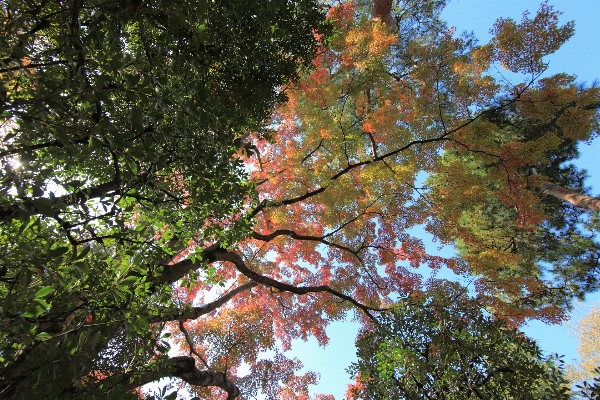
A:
(120, 122)
(443, 345)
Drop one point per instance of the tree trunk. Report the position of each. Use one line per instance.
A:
(382, 11)
(578, 200)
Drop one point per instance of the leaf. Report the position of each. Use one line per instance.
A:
(34, 312)
(43, 303)
(43, 292)
(130, 280)
(83, 336)
(142, 322)
(94, 339)
(43, 336)
(94, 143)
(37, 191)
(84, 252)
(58, 251)
(44, 206)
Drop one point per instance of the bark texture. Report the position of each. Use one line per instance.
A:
(576, 199)
(382, 11)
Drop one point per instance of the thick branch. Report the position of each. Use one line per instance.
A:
(174, 271)
(197, 312)
(184, 368)
(54, 143)
(576, 199)
(81, 195)
(382, 11)
(213, 253)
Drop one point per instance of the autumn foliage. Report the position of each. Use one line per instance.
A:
(339, 192)
(398, 126)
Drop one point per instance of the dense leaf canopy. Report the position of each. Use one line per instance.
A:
(587, 331)
(130, 222)
(444, 346)
(119, 123)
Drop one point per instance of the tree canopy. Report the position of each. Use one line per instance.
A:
(587, 331)
(444, 346)
(119, 123)
(130, 222)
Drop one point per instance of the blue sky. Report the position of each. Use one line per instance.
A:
(580, 57)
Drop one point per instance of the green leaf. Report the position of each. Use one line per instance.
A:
(44, 206)
(94, 143)
(137, 119)
(84, 252)
(37, 191)
(142, 322)
(94, 339)
(59, 251)
(129, 281)
(82, 339)
(43, 292)
(33, 312)
(62, 138)
(43, 336)
(43, 303)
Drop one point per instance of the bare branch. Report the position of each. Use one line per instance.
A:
(190, 343)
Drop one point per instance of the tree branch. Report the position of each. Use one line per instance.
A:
(297, 236)
(197, 312)
(224, 255)
(190, 343)
(182, 367)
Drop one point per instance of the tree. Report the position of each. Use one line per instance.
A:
(588, 334)
(442, 345)
(119, 125)
(590, 389)
(506, 168)
(358, 131)
(159, 237)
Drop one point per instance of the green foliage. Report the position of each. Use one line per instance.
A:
(442, 345)
(119, 127)
(590, 389)
(502, 227)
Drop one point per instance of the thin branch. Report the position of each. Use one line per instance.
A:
(297, 236)
(190, 343)
(224, 255)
